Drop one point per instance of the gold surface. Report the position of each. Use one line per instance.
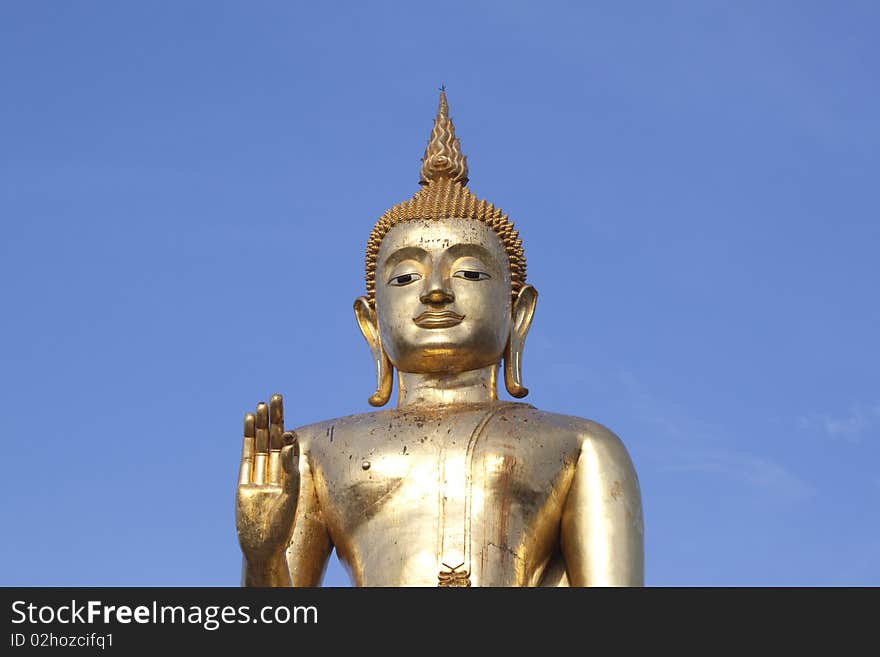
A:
(453, 487)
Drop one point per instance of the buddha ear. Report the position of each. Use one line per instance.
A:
(369, 325)
(523, 311)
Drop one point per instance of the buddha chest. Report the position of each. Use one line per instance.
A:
(453, 498)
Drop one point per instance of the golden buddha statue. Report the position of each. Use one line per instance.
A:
(454, 487)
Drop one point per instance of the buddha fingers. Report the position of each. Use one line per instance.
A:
(247, 451)
(261, 455)
(276, 431)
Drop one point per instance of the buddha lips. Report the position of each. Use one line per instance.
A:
(431, 319)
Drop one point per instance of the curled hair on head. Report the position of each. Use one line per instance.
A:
(443, 195)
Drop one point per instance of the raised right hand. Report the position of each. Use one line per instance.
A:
(268, 484)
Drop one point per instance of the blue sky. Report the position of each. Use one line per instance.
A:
(186, 190)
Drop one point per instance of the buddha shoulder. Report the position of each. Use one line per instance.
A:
(339, 433)
(524, 425)
(592, 441)
(597, 441)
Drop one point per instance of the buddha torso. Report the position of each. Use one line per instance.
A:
(470, 494)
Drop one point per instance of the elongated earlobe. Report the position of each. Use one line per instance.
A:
(366, 319)
(523, 312)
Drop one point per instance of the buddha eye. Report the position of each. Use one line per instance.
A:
(471, 275)
(404, 279)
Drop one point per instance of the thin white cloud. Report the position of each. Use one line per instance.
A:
(860, 421)
(772, 476)
(756, 473)
(710, 448)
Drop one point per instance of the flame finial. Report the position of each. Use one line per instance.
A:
(443, 156)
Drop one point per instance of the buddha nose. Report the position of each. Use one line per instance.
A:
(437, 296)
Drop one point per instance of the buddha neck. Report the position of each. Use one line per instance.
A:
(473, 387)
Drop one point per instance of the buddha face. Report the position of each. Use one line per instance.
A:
(443, 300)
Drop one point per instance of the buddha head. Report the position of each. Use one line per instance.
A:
(445, 274)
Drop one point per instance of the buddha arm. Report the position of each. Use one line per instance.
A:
(310, 545)
(305, 559)
(602, 532)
